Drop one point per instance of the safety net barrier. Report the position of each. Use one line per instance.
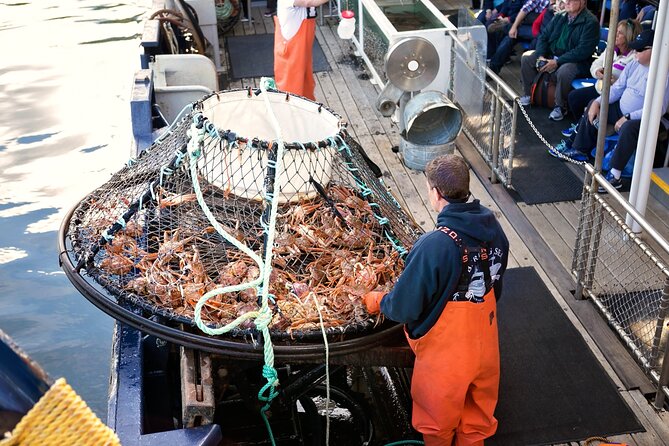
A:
(624, 273)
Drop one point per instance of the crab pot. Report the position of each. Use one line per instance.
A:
(166, 229)
(302, 123)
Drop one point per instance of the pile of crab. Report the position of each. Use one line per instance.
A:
(327, 254)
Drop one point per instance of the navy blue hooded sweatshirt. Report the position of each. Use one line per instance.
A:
(432, 269)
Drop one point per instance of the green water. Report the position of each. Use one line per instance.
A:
(409, 16)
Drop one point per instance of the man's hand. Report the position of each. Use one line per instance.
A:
(619, 123)
(513, 32)
(372, 301)
(550, 66)
(593, 111)
(599, 74)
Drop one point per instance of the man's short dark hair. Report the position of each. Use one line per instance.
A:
(450, 175)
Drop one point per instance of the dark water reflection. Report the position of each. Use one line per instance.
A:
(64, 89)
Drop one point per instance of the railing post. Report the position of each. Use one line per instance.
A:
(664, 375)
(512, 142)
(582, 245)
(597, 223)
(497, 115)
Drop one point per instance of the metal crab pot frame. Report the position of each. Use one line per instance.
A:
(232, 168)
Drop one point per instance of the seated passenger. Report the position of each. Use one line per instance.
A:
(622, 54)
(490, 11)
(541, 22)
(565, 50)
(625, 109)
(627, 10)
(503, 35)
(646, 15)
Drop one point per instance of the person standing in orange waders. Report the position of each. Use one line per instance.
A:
(294, 32)
(446, 297)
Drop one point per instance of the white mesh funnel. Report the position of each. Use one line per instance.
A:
(304, 124)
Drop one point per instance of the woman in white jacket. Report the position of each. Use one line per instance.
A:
(622, 54)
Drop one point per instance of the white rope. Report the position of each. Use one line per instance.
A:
(327, 371)
(194, 150)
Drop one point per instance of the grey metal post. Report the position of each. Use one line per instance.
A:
(591, 260)
(495, 135)
(664, 375)
(512, 143)
(582, 243)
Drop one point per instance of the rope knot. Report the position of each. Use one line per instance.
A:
(267, 83)
(264, 318)
(272, 377)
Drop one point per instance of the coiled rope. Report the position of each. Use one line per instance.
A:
(60, 418)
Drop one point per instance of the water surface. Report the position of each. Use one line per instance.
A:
(65, 86)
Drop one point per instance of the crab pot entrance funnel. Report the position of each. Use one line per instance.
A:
(307, 127)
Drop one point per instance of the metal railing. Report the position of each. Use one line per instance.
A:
(493, 130)
(624, 276)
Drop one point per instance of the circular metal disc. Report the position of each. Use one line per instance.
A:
(412, 63)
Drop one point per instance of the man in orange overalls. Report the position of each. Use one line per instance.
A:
(446, 297)
(295, 29)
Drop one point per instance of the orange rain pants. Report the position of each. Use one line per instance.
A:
(293, 70)
(455, 379)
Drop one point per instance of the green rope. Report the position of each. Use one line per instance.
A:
(262, 323)
(195, 144)
(263, 317)
(224, 10)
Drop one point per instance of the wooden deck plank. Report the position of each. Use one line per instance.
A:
(548, 232)
(657, 432)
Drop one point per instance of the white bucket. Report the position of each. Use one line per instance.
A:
(243, 168)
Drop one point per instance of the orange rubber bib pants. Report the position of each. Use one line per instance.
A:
(455, 379)
(293, 70)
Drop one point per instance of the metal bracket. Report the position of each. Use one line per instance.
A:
(197, 390)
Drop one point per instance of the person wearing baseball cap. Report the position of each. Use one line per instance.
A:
(643, 41)
(626, 99)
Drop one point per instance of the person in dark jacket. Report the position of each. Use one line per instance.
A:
(564, 49)
(446, 297)
(520, 29)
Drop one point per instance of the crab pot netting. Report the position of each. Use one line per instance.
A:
(144, 236)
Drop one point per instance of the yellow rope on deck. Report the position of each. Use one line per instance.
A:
(61, 418)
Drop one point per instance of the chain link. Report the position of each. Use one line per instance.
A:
(551, 149)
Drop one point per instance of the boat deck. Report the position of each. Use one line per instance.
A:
(542, 236)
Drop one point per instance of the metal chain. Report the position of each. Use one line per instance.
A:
(541, 137)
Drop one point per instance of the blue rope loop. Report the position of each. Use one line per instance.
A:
(211, 129)
(165, 172)
(121, 222)
(179, 155)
